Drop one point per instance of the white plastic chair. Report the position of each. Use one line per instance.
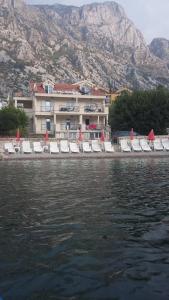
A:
(124, 145)
(157, 145)
(165, 143)
(26, 148)
(53, 147)
(37, 148)
(136, 145)
(8, 147)
(74, 148)
(86, 147)
(144, 145)
(95, 146)
(64, 147)
(108, 147)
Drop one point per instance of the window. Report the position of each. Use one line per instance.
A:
(48, 124)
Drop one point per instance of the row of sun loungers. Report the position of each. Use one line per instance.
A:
(64, 147)
(139, 145)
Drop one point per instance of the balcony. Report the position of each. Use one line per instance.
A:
(71, 126)
(93, 108)
(69, 108)
(44, 108)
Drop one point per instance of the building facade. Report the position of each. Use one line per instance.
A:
(63, 109)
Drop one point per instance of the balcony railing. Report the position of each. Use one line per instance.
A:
(44, 108)
(44, 128)
(69, 108)
(90, 108)
(71, 126)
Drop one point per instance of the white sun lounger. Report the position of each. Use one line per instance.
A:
(26, 148)
(124, 145)
(157, 145)
(74, 148)
(95, 146)
(165, 143)
(136, 145)
(53, 147)
(9, 148)
(144, 145)
(86, 147)
(37, 148)
(64, 147)
(108, 147)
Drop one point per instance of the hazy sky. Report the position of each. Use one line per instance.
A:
(150, 16)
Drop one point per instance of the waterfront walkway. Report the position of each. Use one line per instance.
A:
(102, 155)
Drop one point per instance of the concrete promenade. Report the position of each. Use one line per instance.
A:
(102, 155)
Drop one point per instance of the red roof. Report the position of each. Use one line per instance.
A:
(98, 92)
(64, 87)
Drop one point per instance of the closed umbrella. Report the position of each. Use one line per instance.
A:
(17, 135)
(151, 136)
(46, 137)
(102, 138)
(131, 134)
(80, 138)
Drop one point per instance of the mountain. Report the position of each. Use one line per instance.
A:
(160, 48)
(67, 43)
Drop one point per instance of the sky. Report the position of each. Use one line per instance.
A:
(149, 16)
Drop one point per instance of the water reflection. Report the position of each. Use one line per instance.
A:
(84, 229)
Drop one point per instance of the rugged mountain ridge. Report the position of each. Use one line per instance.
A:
(67, 43)
(160, 48)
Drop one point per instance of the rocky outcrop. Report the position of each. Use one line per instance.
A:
(67, 43)
(160, 48)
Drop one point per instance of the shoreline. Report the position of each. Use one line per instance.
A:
(102, 155)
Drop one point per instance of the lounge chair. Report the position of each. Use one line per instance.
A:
(26, 148)
(37, 148)
(124, 145)
(53, 147)
(108, 147)
(9, 148)
(64, 147)
(74, 148)
(95, 146)
(86, 147)
(144, 145)
(157, 145)
(135, 145)
(165, 143)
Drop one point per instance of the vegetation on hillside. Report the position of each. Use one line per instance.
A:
(12, 118)
(141, 110)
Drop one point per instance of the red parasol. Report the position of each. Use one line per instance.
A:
(18, 135)
(46, 137)
(102, 138)
(131, 134)
(151, 136)
(80, 138)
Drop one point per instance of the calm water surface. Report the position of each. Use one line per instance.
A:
(84, 230)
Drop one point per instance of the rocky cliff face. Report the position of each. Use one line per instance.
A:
(68, 43)
(160, 48)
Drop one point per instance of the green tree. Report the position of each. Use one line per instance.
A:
(141, 110)
(12, 118)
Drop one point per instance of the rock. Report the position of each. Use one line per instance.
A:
(96, 41)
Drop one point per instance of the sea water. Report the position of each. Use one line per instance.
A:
(90, 229)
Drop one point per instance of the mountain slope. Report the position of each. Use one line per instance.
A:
(68, 43)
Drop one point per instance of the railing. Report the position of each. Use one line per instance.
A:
(93, 108)
(71, 126)
(43, 128)
(44, 108)
(95, 127)
(67, 108)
